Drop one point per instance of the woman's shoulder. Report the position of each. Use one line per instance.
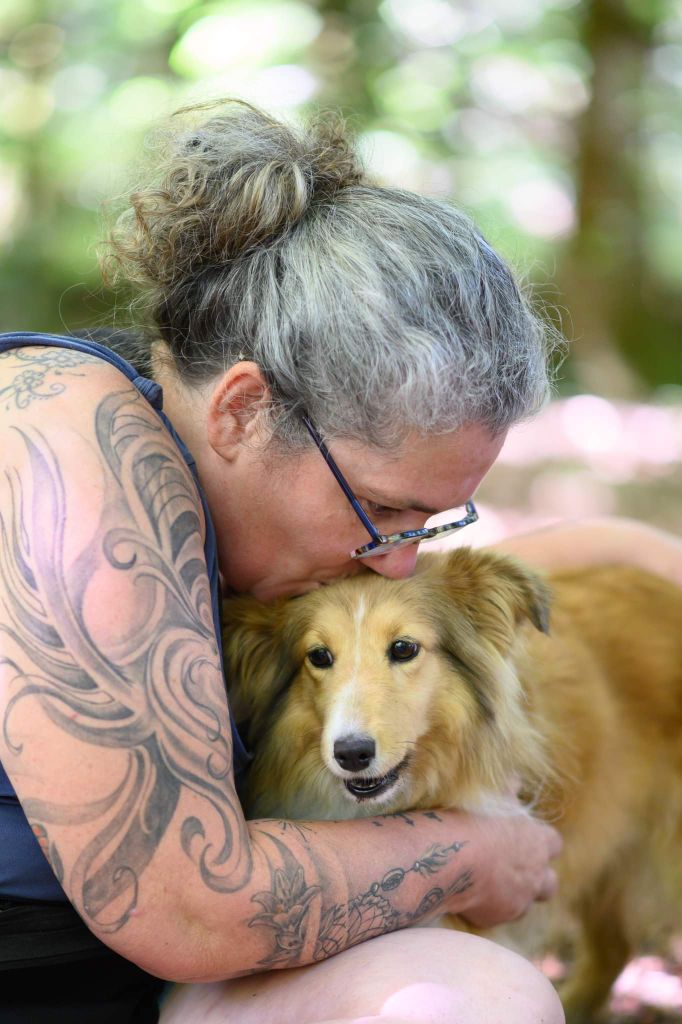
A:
(55, 392)
(34, 377)
(82, 416)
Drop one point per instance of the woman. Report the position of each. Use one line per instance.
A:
(284, 288)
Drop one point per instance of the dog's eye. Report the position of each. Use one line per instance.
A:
(403, 650)
(321, 657)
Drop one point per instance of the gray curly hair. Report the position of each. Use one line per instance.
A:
(375, 310)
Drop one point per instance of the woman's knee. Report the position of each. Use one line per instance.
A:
(418, 976)
(463, 979)
(506, 987)
(530, 996)
(528, 999)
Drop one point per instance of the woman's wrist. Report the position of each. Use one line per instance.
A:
(513, 856)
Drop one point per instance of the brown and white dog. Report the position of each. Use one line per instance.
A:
(373, 695)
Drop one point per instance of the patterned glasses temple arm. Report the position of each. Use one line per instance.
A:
(342, 482)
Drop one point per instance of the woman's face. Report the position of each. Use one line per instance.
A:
(284, 526)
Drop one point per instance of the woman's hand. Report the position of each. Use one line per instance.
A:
(512, 856)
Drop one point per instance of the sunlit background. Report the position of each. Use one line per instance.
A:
(556, 123)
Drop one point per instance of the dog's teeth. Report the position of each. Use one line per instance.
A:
(372, 787)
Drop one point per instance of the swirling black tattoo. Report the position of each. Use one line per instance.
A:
(156, 691)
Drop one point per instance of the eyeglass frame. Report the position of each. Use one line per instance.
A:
(380, 541)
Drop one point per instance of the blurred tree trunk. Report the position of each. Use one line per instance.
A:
(604, 276)
(353, 45)
(606, 253)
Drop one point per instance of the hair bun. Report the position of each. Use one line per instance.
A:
(228, 184)
(332, 155)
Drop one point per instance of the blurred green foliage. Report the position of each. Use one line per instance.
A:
(556, 123)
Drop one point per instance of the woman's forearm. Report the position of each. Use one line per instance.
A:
(320, 887)
(600, 541)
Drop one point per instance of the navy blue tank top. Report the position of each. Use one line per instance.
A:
(24, 870)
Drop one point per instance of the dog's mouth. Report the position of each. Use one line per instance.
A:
(364, 788)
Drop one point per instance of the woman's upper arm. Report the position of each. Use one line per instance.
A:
(115, 729)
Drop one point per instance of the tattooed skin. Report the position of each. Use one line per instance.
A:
(402, 816)
(285, 906)
(31, 384)
(156, 697)
(296, 827)
(372, 913)
(49, 849)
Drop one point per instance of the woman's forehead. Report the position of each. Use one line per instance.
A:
(430, 473)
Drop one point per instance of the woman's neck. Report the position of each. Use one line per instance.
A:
(185, 406)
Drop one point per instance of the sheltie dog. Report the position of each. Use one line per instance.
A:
(375, 696)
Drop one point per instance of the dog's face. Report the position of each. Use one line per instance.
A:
(353, 692)
(370, 669)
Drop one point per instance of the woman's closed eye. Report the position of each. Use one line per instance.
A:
(373, 508)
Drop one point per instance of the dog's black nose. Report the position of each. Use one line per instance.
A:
(354, 753)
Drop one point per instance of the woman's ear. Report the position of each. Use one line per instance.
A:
(235, 408)
(259, 659)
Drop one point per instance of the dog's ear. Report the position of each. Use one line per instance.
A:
(494, 591)
(530, 596)
(259, 658)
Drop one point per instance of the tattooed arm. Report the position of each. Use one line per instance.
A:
(115, 730)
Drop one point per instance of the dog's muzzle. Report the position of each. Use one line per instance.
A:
(366, 787)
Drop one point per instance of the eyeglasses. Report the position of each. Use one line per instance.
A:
(381, 543)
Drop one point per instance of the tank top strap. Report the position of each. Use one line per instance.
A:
(150, 390)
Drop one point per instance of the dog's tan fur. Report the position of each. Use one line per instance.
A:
(589, 717)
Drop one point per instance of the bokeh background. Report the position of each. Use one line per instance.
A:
(556, 123)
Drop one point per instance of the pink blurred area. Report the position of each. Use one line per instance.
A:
(584, 456)
(649, 990)
(651, 981)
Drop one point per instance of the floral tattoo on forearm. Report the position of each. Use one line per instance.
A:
(286, 904)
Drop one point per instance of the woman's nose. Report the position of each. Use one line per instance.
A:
(396, 564)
